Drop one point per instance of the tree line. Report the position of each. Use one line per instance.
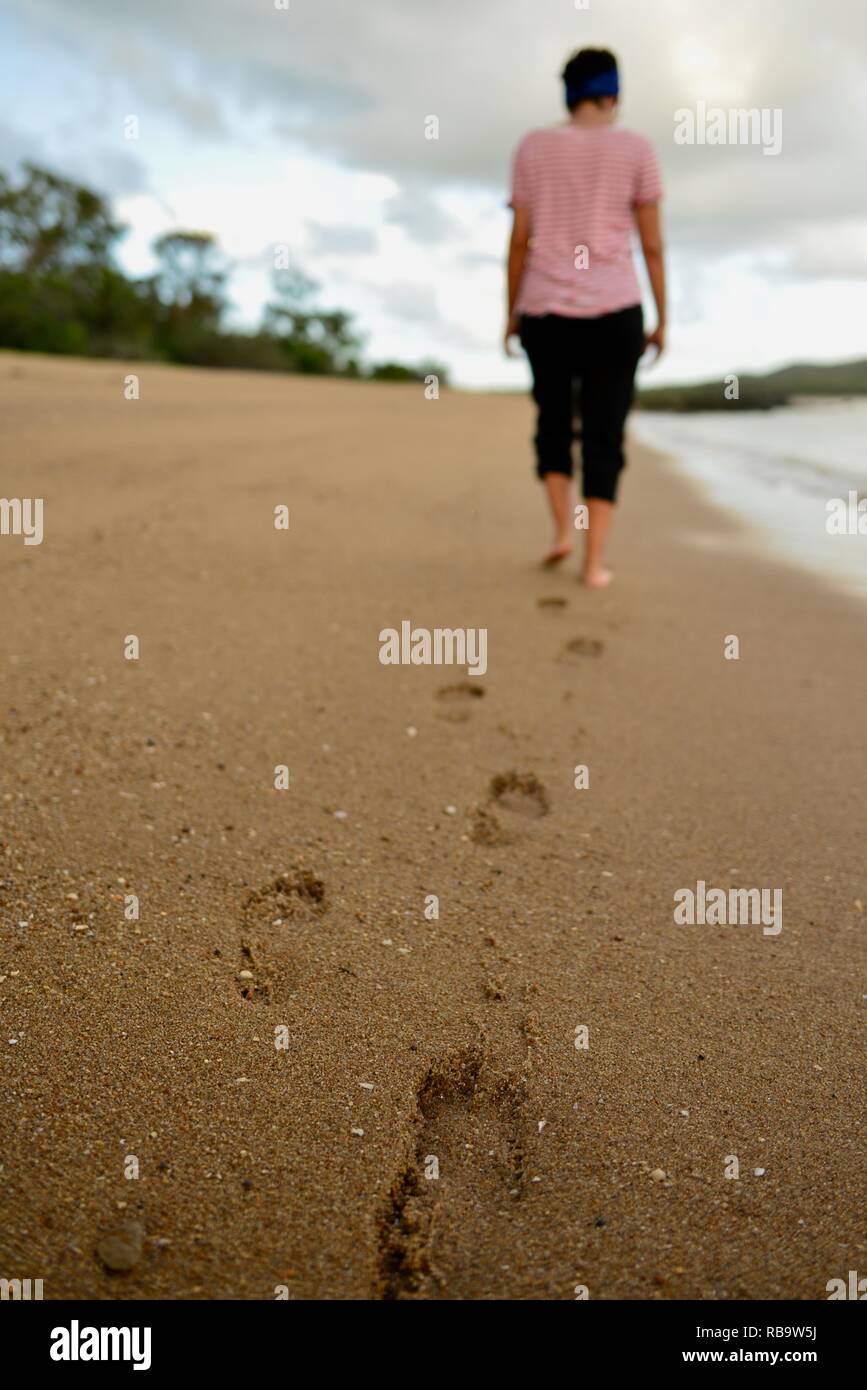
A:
(63, 291)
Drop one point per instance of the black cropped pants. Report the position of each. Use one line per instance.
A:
(601, 354)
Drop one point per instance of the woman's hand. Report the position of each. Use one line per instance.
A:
(656, 340)
(513, 325)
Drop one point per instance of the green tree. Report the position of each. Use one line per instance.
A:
(49, 225)
(59, 288)
(311, 339)
(187, 295)
(191, 275)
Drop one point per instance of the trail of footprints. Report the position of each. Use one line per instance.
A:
(467, 1166)
(519, 794)
(468, 1161)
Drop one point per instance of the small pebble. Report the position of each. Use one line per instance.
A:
(450, 810)
(341, 815)
(412, 731)
(658, 1175)
(359, 1132)
(759, 1172)
(121, 1248)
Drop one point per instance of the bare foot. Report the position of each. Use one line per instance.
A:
(560, 551)
(598, 579)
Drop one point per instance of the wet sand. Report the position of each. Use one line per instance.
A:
(265, 917)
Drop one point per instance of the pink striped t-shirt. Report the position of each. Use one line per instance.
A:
(582, 185)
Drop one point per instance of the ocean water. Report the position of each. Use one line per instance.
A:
(776, 470)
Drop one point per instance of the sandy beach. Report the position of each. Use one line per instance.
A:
(284, 1039)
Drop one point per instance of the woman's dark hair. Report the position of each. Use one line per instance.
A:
(583, 67)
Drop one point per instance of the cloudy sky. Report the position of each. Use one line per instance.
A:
(305, 126)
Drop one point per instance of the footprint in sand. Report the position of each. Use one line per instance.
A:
(448, 1212)
(288, 901)
(584, 646)
(458, 699)
(297, 893)
(521, 792)
(485, 828)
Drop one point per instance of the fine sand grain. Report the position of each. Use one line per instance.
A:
(410, 1044)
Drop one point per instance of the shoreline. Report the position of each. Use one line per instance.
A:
(782, 514)
(266, 917)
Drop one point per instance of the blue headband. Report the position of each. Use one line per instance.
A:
(606, 84)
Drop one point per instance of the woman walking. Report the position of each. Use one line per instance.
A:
(579, 191)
